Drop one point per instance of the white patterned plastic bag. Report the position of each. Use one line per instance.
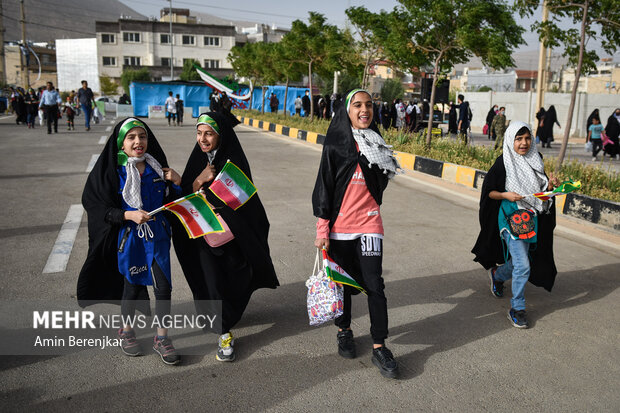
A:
(325, 297)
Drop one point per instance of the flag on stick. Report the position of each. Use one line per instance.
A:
(564, 188)
(195, 214)
(232, 186)
(337, 274)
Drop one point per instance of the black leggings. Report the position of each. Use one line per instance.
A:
(161, 288)
(362, 259)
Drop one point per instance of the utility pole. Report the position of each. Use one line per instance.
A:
(171, 52)
(2, 61)
(542, 57)
(23, 60)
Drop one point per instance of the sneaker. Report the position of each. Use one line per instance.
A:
(497, 287)
(517, 318)
(346, 345)
(384, 360)
(165, 349)
(225, 350)
(129, 344)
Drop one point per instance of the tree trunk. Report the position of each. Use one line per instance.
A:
(262, 105)
(431, 104)
(573, 95)
(365, 77)
(310, 87)
(285, 96)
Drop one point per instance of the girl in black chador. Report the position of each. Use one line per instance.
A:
(231, 272)
(550, 118)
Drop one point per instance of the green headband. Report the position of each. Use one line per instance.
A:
(350, 96)
(208, 120)
(127, 126)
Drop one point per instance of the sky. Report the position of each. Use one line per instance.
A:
(283, 12)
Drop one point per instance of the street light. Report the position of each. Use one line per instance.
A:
(171, 50)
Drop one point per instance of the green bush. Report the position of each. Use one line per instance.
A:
(130, 75)
(598, 181)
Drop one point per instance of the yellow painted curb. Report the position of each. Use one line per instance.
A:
(311, 137)
(279, 129)
(292, 132)
(247, 121)
(560, 200)
(465, 176)
(449, 172)
(266, 125)
(406, 160)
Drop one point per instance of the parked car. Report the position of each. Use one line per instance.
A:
(110, 103)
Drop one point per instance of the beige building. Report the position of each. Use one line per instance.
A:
(47, 57)
(381, 70)
(606, 79)
(137, 43)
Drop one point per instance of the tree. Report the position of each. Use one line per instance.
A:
(189, 72)
(245, 63)
(131, 75)
(108, 86)
(346, 81)
(392, 89)
(597, 19)
(288, 67)
(321, 47)
(442, 33)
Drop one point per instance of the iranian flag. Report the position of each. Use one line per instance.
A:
(337, 274)
(565, 188)
(232, 186)
(195, 214)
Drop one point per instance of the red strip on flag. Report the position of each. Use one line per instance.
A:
(188, 218)
(224, 194)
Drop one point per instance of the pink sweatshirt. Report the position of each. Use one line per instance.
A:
(358, 215)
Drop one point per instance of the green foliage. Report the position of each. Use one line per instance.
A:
(189, 72)
(64, 95)
(108, 86)
(599, 181)
(484, 89)
(392, 89)
(131, 75)
(346, 82)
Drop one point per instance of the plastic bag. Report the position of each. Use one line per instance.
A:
(588, 147)
(325, 298)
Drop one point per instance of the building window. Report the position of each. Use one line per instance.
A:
(212, 41)
(131, 61)
(109, 61)
(164, 38)
(165, 61)
(189, 40)
(212, 64)
(131, 37)
(108, 38)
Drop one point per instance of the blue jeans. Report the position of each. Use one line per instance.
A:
(517, 268)
(88, 111)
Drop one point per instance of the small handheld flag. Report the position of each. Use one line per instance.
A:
(565, 188)
(195, 214)
(232, 186)
(337, 274)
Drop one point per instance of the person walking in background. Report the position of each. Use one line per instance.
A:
(305, 102)
(540, 118)
(612, 130)
(594, 114)
(499, 127)
(171, 109)
(50, 99)
(452, 120)
(490, 117)
(70, 112)
(594, 135)
(550, 119)
(87, 101)
(298, 105)
(180, 110)
(464, 118)
(274, 103)
(32, 107)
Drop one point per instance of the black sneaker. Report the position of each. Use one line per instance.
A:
(382, 358)
(165, 349)
(129, 344)
(517, 318)
(497, 287)
(346, 345)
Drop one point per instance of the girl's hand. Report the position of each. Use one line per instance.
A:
(207, 175)
(321, 243)
(512, 196)
(139, 216)
(172, 175)
(553, 182)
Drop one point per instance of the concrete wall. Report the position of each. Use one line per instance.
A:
(521, 106)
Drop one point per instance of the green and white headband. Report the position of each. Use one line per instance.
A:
(350, 96)
(208, 120)
(128, 125)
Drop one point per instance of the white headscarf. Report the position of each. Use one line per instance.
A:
(525, 174)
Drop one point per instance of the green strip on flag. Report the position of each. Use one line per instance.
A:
(207, 213)
(239, 177)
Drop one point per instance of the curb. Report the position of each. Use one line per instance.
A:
(594, 210)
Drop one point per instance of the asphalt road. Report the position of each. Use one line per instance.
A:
(455, 346)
